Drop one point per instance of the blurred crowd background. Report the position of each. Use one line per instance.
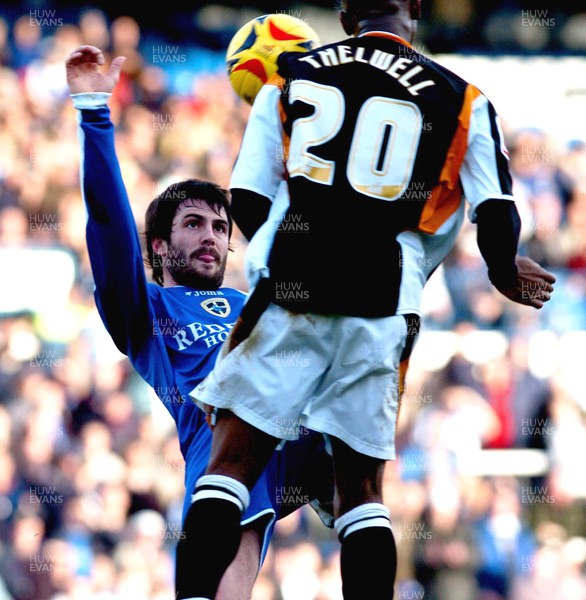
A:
(488, 495)
(447, 26)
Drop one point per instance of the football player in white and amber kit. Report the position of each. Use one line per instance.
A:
(384, 152)
(172, 330)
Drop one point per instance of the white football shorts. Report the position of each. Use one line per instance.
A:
(337, 375)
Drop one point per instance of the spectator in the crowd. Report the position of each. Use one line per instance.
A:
(26, 43)
(94, 27)
(556, 570)
(446, 559)
(566, 478)
(505, 542)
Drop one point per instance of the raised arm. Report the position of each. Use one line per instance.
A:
(83, 71)
(112, 238)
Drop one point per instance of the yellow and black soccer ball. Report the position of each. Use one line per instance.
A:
(251, 58)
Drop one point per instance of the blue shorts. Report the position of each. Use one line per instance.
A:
(297, 474)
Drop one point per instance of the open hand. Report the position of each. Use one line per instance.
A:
(83, 71)
(534, 285)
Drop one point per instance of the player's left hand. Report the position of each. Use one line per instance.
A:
(533, 286)
(83, 71)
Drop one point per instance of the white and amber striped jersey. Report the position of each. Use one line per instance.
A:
(381, 148)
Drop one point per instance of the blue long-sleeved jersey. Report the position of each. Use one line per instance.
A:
(170, 335)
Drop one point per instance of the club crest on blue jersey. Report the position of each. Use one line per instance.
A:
(220, 307)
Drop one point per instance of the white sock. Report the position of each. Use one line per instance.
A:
(221, 487)
(364, 515)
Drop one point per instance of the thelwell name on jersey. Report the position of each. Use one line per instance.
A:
(391, 64)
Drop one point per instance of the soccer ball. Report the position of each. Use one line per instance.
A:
(251, 58)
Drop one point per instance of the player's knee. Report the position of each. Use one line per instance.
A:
(358, 476)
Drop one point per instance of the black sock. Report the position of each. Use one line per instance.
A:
(209, 541)
(369, 564)
(368, 559)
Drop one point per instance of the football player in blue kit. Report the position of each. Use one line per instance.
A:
(385, 151)
(188, 228)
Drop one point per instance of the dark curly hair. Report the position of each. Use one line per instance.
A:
(161, 212)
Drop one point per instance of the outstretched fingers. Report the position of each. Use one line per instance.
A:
(84, 74)
(86, 53)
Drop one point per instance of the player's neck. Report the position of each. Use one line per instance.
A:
(400, 27)
(168, 280)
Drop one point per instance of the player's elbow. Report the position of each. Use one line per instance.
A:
(249, 210)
